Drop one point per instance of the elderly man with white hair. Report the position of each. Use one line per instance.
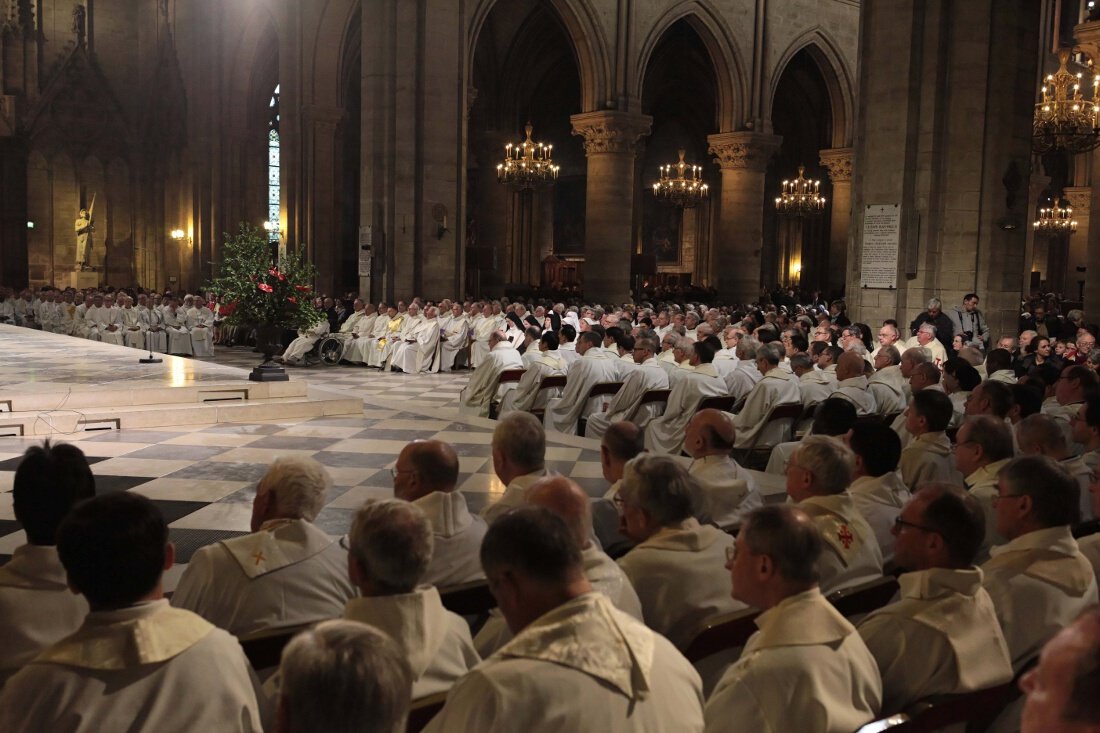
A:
(887, 384)
(888, 335)
(454, 337)
(481, 331)
(202, 332)
(390, 547)
(777, 387)
(152, 325)
(419, 350)
(286, 572)
(342, 675)
(926, 338)
(626, 403)
(484, 386)
(595, 366)
(130, 319)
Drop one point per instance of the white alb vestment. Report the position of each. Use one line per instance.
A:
(680, 576)
(941, 638)
(380, 348)
(527, 396)
(36, 606)
(665, 434)
(177, 324)
(982, 485)
(626, 403)
(805, 670)
(880, 499)
(480, 331)
(852, 556)
(483, 388)
(928, 458)
(515, 494)
(457, 536)
(741, 375)
(148, 667)
(816, 386)
(132, 333)
(202, 331)
(594, 367)
(358, 350)
(891, 390)
(435, 642)
(939, 354)
(288, 573)
(454, 337)
(302, 345)
(729, 491)
(101, 320)
(419, 352)
(584, 666)
(601, 571)
(407, 334)
(152, 323)
(1039, 582)
(856, 391)
(778, 387)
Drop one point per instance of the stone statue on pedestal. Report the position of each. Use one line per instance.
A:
(84, 243)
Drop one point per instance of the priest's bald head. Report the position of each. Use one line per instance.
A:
(849, 365)
(568, 500)
(709, 432)
(424, 467)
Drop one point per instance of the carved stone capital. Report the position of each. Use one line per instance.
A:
(1079, 197)
(839, 163)
(750, 150)
(610, 131)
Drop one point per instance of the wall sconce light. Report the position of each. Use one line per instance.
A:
(30, 225)
(176, 234)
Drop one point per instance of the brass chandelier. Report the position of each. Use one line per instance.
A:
(528, 165)
(1055, 220)
(686, 189)
(1065, 119)
(800, 197)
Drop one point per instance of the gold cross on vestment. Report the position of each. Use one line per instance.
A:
(259, 557)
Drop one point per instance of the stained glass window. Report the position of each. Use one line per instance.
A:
(274, 192)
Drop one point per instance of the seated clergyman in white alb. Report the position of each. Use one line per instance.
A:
(776, 387)
(36, 604)
(307, 338)
(626, 403)
(568, 500)
(852, 385)
(806, 669)
(541, 360)
(287, 572)
(665, 434)
(595, 365)
(484, 385)
(454, 338)
(576, 663)
(419, 348)
(728, 490)
(136, 663)
(519, 460)
(943, 612)
(130, 321)
(877, 488)
(177, 324)
(390, 546)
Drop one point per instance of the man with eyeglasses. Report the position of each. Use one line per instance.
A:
(1074, 386)
(982, 448)
(888, 335)
(1039, 581)
(943, 611)
(625, 404)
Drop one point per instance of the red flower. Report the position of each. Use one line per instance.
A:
(302, 288)
(293, 300)
(266, 288)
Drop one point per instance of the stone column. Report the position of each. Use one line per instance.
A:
(839, 163)
(610, 138)
(735, 251)
(1080, 200)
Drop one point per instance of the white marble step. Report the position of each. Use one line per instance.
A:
(61, 397)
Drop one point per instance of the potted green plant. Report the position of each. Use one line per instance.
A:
(265, 294)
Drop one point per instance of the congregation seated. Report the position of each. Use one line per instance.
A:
(818, 477)
(835, 416)
(728, 490)
(567, 500)
(739, 370)
(676, 567)
(776, 387)
(626, 404)
(888, 384)
(390, 546)
(541, 362)
(1040, 435)
(943, 610)
(815, 385)
(595, 365)
(133, 657)
(483, 387)
(877, 488)
(519, 460)
(665, 434)
(928, 456)
(852, 385)
(419, 348)
(285, 573)
(576, 663)
(35, 602)
(454, 338)
(342, 676)
(426, 474)
(621, 443)
(806, 669)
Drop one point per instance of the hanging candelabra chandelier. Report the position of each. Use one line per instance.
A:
(1055, 220)
(528, 165)
(686, 189)
(800, 197)
(1065, 119)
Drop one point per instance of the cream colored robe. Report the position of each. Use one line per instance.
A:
(132, 333)
(584, 666)
(379, 349)
(1039, 582)
(891, 390)
(408, 331)
(815, 386)
(852, 556)
(778, 387)
(202, 331)
(100, 320)
(482, 388)
(305, 342)
(880, 499)
(421, 354)
(527, 396)
(729, 491)
(152, 323)
(928, 458)
(741, 376)
(680, 576)
(515, 494)
(359, 350)
(178, 327)
(454, 338)
(481, 330)
(941, 638)
(457, 536)
(805, 670)
(856, 391)
(665, 434)
(563, 413)
(982, 485)
(288, 573)
(625, 403)
(36, 606)
(435, 642)
(148, 667)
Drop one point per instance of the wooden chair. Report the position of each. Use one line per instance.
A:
(468, 599)
(423, 710)
(650, 397)
(599, 389)
(869, 420)
(265, 649)
(554, 382)
(508, 375)
(758, 457)
(724, 403)
(864, 598)
(889, 419)
(728, 631)
(976, 709)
